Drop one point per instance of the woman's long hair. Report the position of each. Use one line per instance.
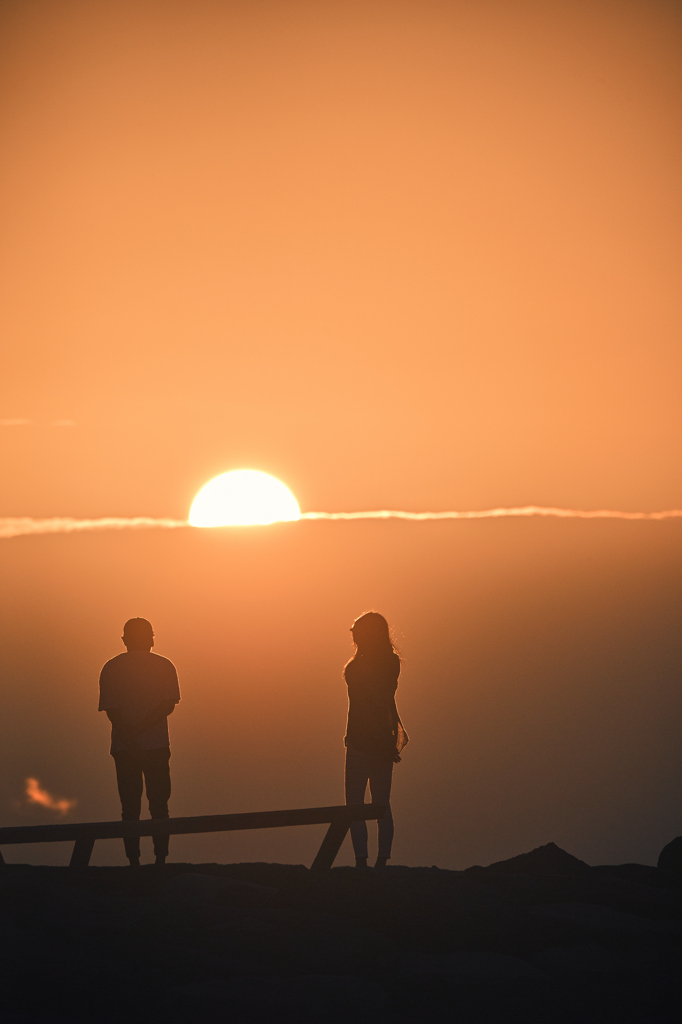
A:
(372, 636)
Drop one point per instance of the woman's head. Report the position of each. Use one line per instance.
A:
(371, 634)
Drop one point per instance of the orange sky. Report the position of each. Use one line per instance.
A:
(417, 255)
(412, 255)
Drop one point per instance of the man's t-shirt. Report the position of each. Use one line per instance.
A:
(135, 683)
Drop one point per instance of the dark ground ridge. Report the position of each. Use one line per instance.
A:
(540, 937)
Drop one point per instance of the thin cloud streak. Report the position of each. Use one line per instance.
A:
(26, 526)
(22, 527)
(499, 513)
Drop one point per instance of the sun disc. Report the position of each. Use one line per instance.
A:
(243, 497)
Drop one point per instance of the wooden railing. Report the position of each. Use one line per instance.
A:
(84, 834)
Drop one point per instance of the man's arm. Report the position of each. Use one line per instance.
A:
(163, 710)
(126, 731)
(117, 719)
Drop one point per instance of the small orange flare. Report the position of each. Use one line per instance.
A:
(37, 795)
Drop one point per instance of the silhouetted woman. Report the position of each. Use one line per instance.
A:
(375, 734)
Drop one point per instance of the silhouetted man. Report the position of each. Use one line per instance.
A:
(138, 690)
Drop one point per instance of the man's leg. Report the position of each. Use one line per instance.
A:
(356, 784)
(129, 779)
(157, 780)
(380, 778)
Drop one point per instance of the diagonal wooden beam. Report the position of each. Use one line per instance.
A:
(80, 858)
(336, 833)
(331, 844)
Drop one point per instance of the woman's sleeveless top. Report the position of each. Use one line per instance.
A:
(374, 725)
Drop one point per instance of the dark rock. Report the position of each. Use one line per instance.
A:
(602, 919)
(641, 874)
(595, 886)
(193, 888)
(544, 860)
(195, 900)
(303, 998)
(316, 940)
(670, 858)
(472, 968)
(587, 958)
(30, 1018)
(78, 908)
(539, 938)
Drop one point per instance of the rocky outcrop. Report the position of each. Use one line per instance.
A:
(670, 859)
(544, 860)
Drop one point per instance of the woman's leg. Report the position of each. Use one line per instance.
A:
(357, 775)
(380, 778)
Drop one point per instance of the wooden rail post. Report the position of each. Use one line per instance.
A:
(333, 840)
(331, 844)
(82, 849)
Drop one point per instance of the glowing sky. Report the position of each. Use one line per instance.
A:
(413, 255)
(416, 259)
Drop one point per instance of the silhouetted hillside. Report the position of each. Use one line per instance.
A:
(541, 937)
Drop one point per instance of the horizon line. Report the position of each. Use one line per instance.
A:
(22, 526)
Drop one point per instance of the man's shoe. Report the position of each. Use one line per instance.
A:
(160, 862)
(134, 862)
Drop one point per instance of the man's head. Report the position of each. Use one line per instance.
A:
(138, 635)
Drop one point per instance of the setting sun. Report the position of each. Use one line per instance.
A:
(243, 497)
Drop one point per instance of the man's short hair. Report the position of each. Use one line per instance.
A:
(138, 631)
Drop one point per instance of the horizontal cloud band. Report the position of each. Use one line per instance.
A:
(499, 513)
(21, 527)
